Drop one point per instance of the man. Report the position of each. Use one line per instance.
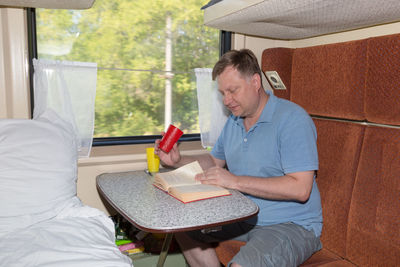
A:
(267, 150)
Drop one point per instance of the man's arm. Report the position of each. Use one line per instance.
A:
(175, 159)
(294, 186)
(206, 161)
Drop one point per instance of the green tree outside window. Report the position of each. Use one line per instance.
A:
(129, 41)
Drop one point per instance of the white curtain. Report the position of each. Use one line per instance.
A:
(68, 89)
(212, 112)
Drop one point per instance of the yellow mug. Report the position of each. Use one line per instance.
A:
(153, 161)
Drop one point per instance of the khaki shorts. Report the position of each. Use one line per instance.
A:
(280, 245)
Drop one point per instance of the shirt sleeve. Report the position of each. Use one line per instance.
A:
(218, 150)
(298, 143)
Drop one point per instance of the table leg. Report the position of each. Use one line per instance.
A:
(164, 249)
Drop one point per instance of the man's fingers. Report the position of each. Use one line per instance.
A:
(200, 176)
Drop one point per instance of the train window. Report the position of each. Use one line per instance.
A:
(146, 52)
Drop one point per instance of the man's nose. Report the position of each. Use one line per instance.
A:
(227, 99)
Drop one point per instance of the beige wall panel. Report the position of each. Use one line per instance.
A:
(3, 100)
(380, 30)
(14, 90)
(87, 191)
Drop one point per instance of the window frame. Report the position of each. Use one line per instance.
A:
(225, 43)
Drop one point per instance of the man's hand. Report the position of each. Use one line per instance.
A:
(217, 176)
(169, 159)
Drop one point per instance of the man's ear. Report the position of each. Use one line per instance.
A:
(256, 81)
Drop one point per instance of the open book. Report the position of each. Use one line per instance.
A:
(181, 184)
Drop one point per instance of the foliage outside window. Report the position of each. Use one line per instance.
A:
(143, 49)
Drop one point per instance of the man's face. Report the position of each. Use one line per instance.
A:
(240, 94)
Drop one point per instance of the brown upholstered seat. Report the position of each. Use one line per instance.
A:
(329, 80)
(382, 99)
(279, 59)
(339, 145)
(359, 175)
(326, 258)
(373, 233)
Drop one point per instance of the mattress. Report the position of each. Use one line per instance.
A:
(78, 236)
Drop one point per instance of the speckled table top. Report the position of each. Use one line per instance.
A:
(150, 209)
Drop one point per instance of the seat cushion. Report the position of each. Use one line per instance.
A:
(227, 249)
(326, 258)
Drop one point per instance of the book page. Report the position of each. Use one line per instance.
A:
(205, 188)
(188, 193)
(181, 176)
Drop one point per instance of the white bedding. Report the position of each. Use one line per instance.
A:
(77, 236)
(42, 221)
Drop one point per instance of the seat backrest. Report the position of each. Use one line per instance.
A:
(382, 97)
(329, 80)
(373, 234)
(339, 146)
(279, 59)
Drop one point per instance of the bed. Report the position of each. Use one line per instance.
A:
(42, 221)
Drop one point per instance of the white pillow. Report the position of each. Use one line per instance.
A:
(38, 170)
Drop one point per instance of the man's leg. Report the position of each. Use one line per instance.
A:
(197, 245)
(197, 253)
(277, 245)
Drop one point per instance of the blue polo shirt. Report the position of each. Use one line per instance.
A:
(282, 141)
